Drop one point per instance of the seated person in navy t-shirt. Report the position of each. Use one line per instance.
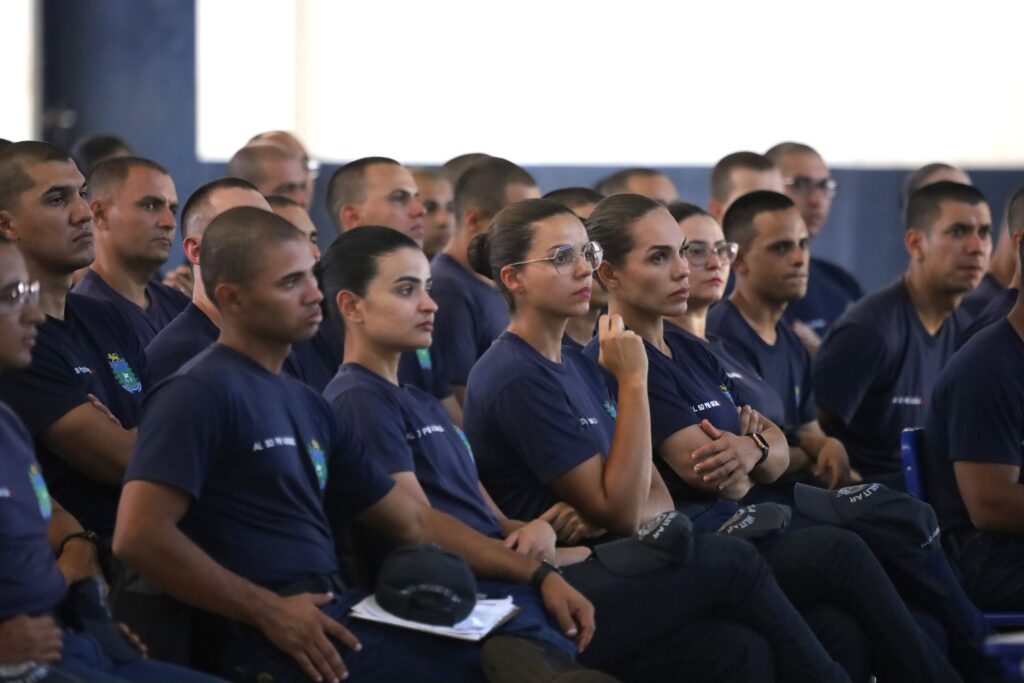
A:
(133, 203)
(470, 312)
(380, 191)
(873, 375)
(974, 434)
(44, 549)
(86, 353)
(771, 271)
(234, 515)
(998, 304)
(830, 288)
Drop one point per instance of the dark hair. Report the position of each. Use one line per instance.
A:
(574, 197)
(4, 142)
(616, 182)
(508, 239)
(347, 185)
(1015, 211)
(113, 172)
(456, 166)
(784, 148)
(235, 242)
(194, 217)
(721, 174)
(683, 210)
(91, 150)
(611, 223)
(915, 180)
(484, 187)
(14, 158)
(923, 206)
(738, 221)
(350, 263)
(276, 201)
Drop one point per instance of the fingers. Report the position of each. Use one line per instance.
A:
(511, 540)
(709, 429)
(737, 476)
(325, 656)
(585, 621)
(552, 512)
(564, 618)
(709, 450)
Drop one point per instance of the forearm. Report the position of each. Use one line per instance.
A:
(62, 525)
(627, 471)
(486, 556)
(778, 457)
(103, 458)
(659, 500)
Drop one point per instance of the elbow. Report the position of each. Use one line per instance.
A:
(986, 515)
(417, 530)
(127, 543)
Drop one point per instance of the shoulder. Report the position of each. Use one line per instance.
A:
(839, 275)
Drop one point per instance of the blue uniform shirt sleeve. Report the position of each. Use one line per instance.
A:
(455, 332)
(355, 482)
(378, 423)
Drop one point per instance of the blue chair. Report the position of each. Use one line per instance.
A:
(913, 457)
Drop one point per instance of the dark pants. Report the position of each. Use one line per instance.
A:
(82, 658)
(992, 567)
(724, 580)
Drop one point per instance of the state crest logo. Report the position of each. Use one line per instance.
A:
(316, 455)
(124, 374)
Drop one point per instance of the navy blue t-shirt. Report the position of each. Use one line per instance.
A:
(30, 582)
(93, 350)
(265, 462)
(165, 303)
(530, 421)
(785, 366)
(975, 301)
(315, 361)
(830, 291)
(997, 309)
(682, 390)
(976, 415)
(470, 315)
(408, 430)
(874, 374)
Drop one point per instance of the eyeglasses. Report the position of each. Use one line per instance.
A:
(698, 253)
(313, 168)
(19, 295)
(565, 257)
(804, 185)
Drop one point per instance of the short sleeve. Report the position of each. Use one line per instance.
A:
(455, 332)
(536, 419)
(166, 453)
(845, 367)
(808, 407)
(45, 391)
(984, 419)
(378, 423)
(355, 482)
(670, 411)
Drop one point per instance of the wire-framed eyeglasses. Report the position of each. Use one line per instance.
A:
(19, 295)
(565, 256)
(698, 253)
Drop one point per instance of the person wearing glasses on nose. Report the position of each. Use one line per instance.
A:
(830, 289)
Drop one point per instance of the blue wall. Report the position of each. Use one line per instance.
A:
(128, 67)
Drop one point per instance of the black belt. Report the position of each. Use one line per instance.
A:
(322, 583)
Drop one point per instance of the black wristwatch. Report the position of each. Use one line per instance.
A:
(85, 535)
(762, 443)
(542, 572)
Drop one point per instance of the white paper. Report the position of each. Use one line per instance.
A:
(484, 618)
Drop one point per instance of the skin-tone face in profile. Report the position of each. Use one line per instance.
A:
(291, 144)
(390, 199)
(285, 177)
(220, 201)
(707, 281)
(437, 198)
(954, 253)
(135, 222)
(52, 222)
(299, 217)
(655, 275)
(562, 291)
(280, 302)
(657, 187)
(806, 177)
(19, 317)
(775, 263)
(396, 313)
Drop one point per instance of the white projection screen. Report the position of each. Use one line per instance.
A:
(19, 77)
(871, 84)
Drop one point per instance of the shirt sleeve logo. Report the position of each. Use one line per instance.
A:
(316, 455)
(42, 494)
(124, 374)
(465, 442)
(609, 408)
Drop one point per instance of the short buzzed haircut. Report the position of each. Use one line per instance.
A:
(721, 174)
(1015, 211)
(112, 173)
(247, 163)
(923, 206)
(236, 241)
(616, 183)
(915, 180)
(738, 222)
(428, 173)
(14, 158)
(195, 215)
(683, 210)
(784, 148)
(456, 166)
(91, 150)
(348, 185)
(575, 197)
(483, 187)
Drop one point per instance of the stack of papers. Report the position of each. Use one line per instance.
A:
(485, 617)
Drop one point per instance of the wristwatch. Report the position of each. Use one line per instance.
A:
(542, 572)
(89, 536)
(762, 443)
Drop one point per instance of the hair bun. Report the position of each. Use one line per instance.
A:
(479, 255)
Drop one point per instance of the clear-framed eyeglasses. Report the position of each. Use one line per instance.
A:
(18, 296)
(803, 185)
(698, 253)
(564, 258)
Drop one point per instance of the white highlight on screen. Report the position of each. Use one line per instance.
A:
(18, 75)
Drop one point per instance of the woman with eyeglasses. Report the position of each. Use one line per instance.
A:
(702, 433)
